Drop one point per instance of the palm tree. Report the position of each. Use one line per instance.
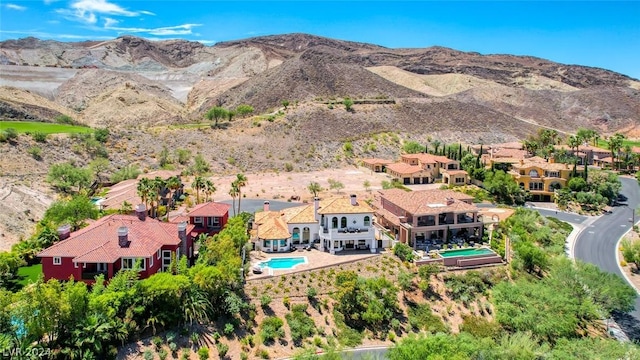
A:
(144, 190)
(573, 143)
(198, 184)
(615, 143)
(436, 145)
(241, 181)
(157, 186)
(209, 188)
(234, 192)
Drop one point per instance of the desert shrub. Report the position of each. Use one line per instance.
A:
(39, 136)
(403, 251)
(35, 152)
(228, 329)
(311, 292)
(422, 318)
(300, 323)
(265, 300)
(479, 326)
(203, 353)
(271, 329)
(223, 349)
(64, 119)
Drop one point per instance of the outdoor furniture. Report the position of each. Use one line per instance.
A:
(256, 269)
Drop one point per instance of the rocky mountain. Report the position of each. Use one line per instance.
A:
(176, 81)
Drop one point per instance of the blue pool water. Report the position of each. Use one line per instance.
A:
(283, 263)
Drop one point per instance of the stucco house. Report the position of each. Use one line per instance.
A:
(117, 242)
(209, 217)
(541, 178)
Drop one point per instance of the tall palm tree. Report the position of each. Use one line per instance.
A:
(198, 184)
(615, 144)
(234, 192)
(573, 143)
(157, 186)
(241, 181)
(173, 184)
(209, 188)
(144, 191)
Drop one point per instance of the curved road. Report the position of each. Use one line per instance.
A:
(596, 244)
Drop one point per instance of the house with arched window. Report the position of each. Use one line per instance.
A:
(333, 225)
(541, 178)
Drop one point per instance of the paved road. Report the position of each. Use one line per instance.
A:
(597, 245)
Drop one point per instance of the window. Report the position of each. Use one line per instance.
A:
(57, 260)
(130, 263)
(75, 265)
(102, 267)
(343, 222)
(367, 221)
(197, 220)
(334, 222)
(151, 261)
(533, 173)
(536, 186)
(158, 256)
(266, 244)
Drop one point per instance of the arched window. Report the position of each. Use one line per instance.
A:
(305, 235)
(343, 222)
(533, 173)
(296, 235)
(334, 223)
(367, 221)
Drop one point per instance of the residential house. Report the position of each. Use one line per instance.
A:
(333, 225)
(376, 165)
(117, 242)
(541, 178)
(209, 217)
(592, 154)
(425, 169)
(420, 218)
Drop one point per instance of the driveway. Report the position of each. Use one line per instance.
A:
(597, 245)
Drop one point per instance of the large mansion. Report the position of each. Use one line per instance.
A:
(332, 225)
(420, 168)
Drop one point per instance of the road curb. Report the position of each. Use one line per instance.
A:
(573, 236)
(624, 274)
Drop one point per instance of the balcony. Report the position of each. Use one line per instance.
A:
(465, 219)
(427, 223)
(346, 233)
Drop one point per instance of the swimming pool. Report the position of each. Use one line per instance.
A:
(466, 252)
(284, 263)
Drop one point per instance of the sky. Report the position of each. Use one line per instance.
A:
(601, 34)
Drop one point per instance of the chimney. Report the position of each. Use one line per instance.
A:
(353, 200)
(449, 201)
(265, 206)
(141, 212)
(521, 161)
(123, 236)
(182, 234)
(552, 160)
(64, 231)
(316, 206)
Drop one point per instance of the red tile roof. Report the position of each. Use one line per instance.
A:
(376, 161)
(404, 168)
(98, 242)
(210, 209)
(427, 158)
(428, 201)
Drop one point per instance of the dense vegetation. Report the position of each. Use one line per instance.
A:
(77, 322)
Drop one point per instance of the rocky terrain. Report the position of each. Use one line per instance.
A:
(145, 91)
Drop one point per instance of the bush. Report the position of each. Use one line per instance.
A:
(271, 329)
(39, 136)
(403, 251)
(148, 355)
(479, 326)
(64, 119)
(228, 329)
(301, 324)
(265, 300)
(157, 342)
(203, 353)
(102, 135)
(35, 152)
(262, 353)
(223, 349)
(162, 354)
(286, 302)
(10, 134)
(312, 292)
(422, 318)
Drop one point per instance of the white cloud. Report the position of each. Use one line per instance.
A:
(46, 35)
(184, 29)
(88, 10)
(108, 22)
(15, 7)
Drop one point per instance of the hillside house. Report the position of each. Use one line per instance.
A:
(117, 242)
(541, 178)
(376, 165)
(592, 154)
(209, 217)
(421, 218)
(332, 225)
(425, 169)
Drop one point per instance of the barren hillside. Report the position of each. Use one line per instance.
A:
(22, 104)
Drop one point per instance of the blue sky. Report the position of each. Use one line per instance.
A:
(601, 34)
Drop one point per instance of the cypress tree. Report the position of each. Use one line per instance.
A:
(459, 153)
(586, 167)
(478, 158)
(574, 173)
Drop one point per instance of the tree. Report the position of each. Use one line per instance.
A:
(405, 281)
(158, 185)
(413, 147)
(102, 135)
(241, 181)
(367, 185)
(348, 104)
(65, 176)
(164, 157)
(314, 188)
(503, 187)
(209, 189)
(198, 184)
(436, 145)
(573, 143)
(615, 144)
(244, 109)
(216, 113)
(200, 166)
(98, 166)
(285, 103)
(127, 172)
(234, 191)
(335, 185)
(173, 184)
(144, 190)
(74, 212)
(230, 115)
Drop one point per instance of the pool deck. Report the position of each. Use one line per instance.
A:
(316, 259)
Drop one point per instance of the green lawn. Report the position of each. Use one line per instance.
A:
(26, 275)
(47, 128)
(603, 144)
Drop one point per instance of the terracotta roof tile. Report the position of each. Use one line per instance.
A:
(510, 153)
(427, 158)
(376, 161)
(428, 201)
(210, 209)
(98, 242)
(273, 229)
(455, 172)
(343, 206)
(404, 168)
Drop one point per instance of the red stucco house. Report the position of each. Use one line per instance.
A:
(209, 217)
(117, 242)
